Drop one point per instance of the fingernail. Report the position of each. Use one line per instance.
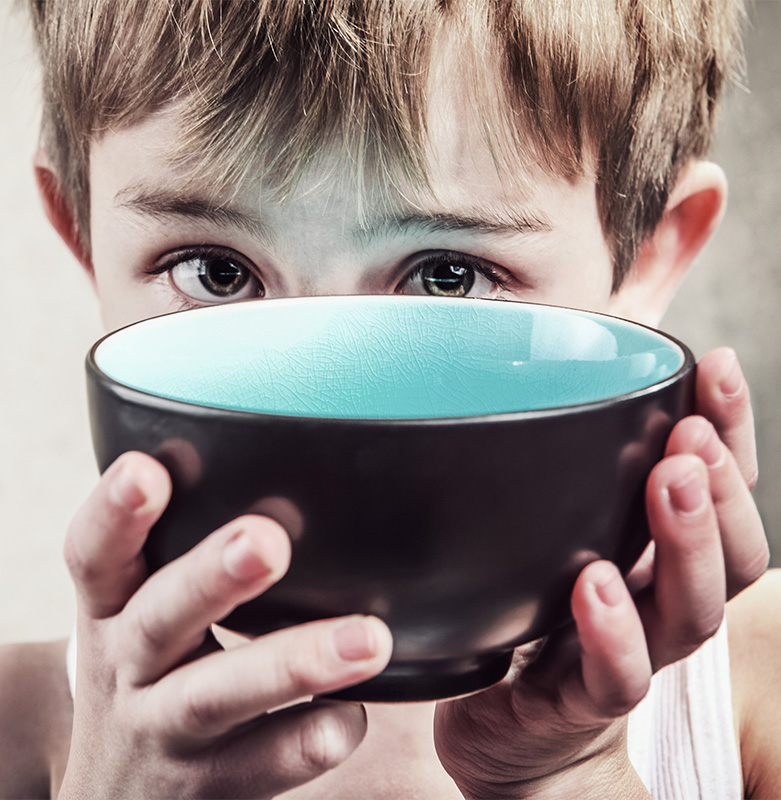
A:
(609, 586)
(354, 642)
(712, 451)
(125, 491)
(242, 561)
(732, 381)
(687, 496)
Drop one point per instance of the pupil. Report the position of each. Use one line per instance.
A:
(221, 277)
(451, 280)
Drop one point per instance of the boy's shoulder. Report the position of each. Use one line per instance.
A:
(36, 712)
(754, 624)
(754, 629)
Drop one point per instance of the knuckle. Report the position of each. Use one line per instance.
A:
(201, 591)
(696, 630)
(202, 587)
(143, 628)
(298, 673)
(623, 699)
(322, 743)
(80, 567)
(753, 569)
(305, 665)
(200, 713)
(73, 558)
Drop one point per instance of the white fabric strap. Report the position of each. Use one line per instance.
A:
(682, 735)
(70, 663)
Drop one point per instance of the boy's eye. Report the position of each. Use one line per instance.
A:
(210, 277)
(446, 274)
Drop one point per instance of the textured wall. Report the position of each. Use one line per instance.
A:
(733, 295)
(48, 320)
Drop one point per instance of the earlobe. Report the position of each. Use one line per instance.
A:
(694, 210)
(58, 210)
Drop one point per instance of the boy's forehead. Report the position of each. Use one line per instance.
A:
(141, 162)
(472, 156)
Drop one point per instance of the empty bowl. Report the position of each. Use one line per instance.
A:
(449, 465)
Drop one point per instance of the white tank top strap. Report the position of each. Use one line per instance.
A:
(70, 663)
(682, 735)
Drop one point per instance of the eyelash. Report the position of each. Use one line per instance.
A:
(414, 268)
(485, 268)
(171, 260)
(496, 275)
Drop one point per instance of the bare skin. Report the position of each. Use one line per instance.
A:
(34, 694)
(754, 636)
(40, 741)
(397, 757)
(161, 710)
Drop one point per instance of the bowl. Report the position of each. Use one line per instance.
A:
(449, 465)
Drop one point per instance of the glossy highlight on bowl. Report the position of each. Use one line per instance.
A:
(449, 465)
(388, 359)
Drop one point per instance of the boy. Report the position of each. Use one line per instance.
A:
(203, 152)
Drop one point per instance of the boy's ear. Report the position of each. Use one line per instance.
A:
(693, 213)
(59, 211)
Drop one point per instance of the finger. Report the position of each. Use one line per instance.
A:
(169, 616)
(723, 398)
(743, 539)
(214, 695)
(685, 605)
(103, 548)
(297, 745)
(615, 664)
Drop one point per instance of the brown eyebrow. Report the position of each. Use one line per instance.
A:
(160, 203)
(157, 203)
(485, 222)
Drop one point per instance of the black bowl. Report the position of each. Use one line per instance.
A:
(448, 465)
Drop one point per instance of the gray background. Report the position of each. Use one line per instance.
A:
(733, 295)
(48, 319)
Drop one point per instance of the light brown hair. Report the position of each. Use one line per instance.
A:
(628, 86)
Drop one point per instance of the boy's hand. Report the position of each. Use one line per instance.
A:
(556, 726)
(160, 710)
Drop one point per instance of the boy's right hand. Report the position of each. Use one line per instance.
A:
(160, 710)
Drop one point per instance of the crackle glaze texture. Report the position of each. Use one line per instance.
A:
(462, 523)
(380, 358)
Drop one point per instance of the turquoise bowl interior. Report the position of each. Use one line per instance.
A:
(386, 357)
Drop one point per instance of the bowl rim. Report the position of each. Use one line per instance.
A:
(131, 394)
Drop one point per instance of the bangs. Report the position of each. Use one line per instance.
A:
(267, 89)
(352, 85)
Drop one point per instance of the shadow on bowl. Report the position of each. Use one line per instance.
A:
(448, 465)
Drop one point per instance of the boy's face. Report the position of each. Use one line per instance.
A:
(158, 246)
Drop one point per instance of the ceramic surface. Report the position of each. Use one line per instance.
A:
(388, 358)
(389, 436)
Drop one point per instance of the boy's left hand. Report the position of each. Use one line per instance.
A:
(556, 726)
